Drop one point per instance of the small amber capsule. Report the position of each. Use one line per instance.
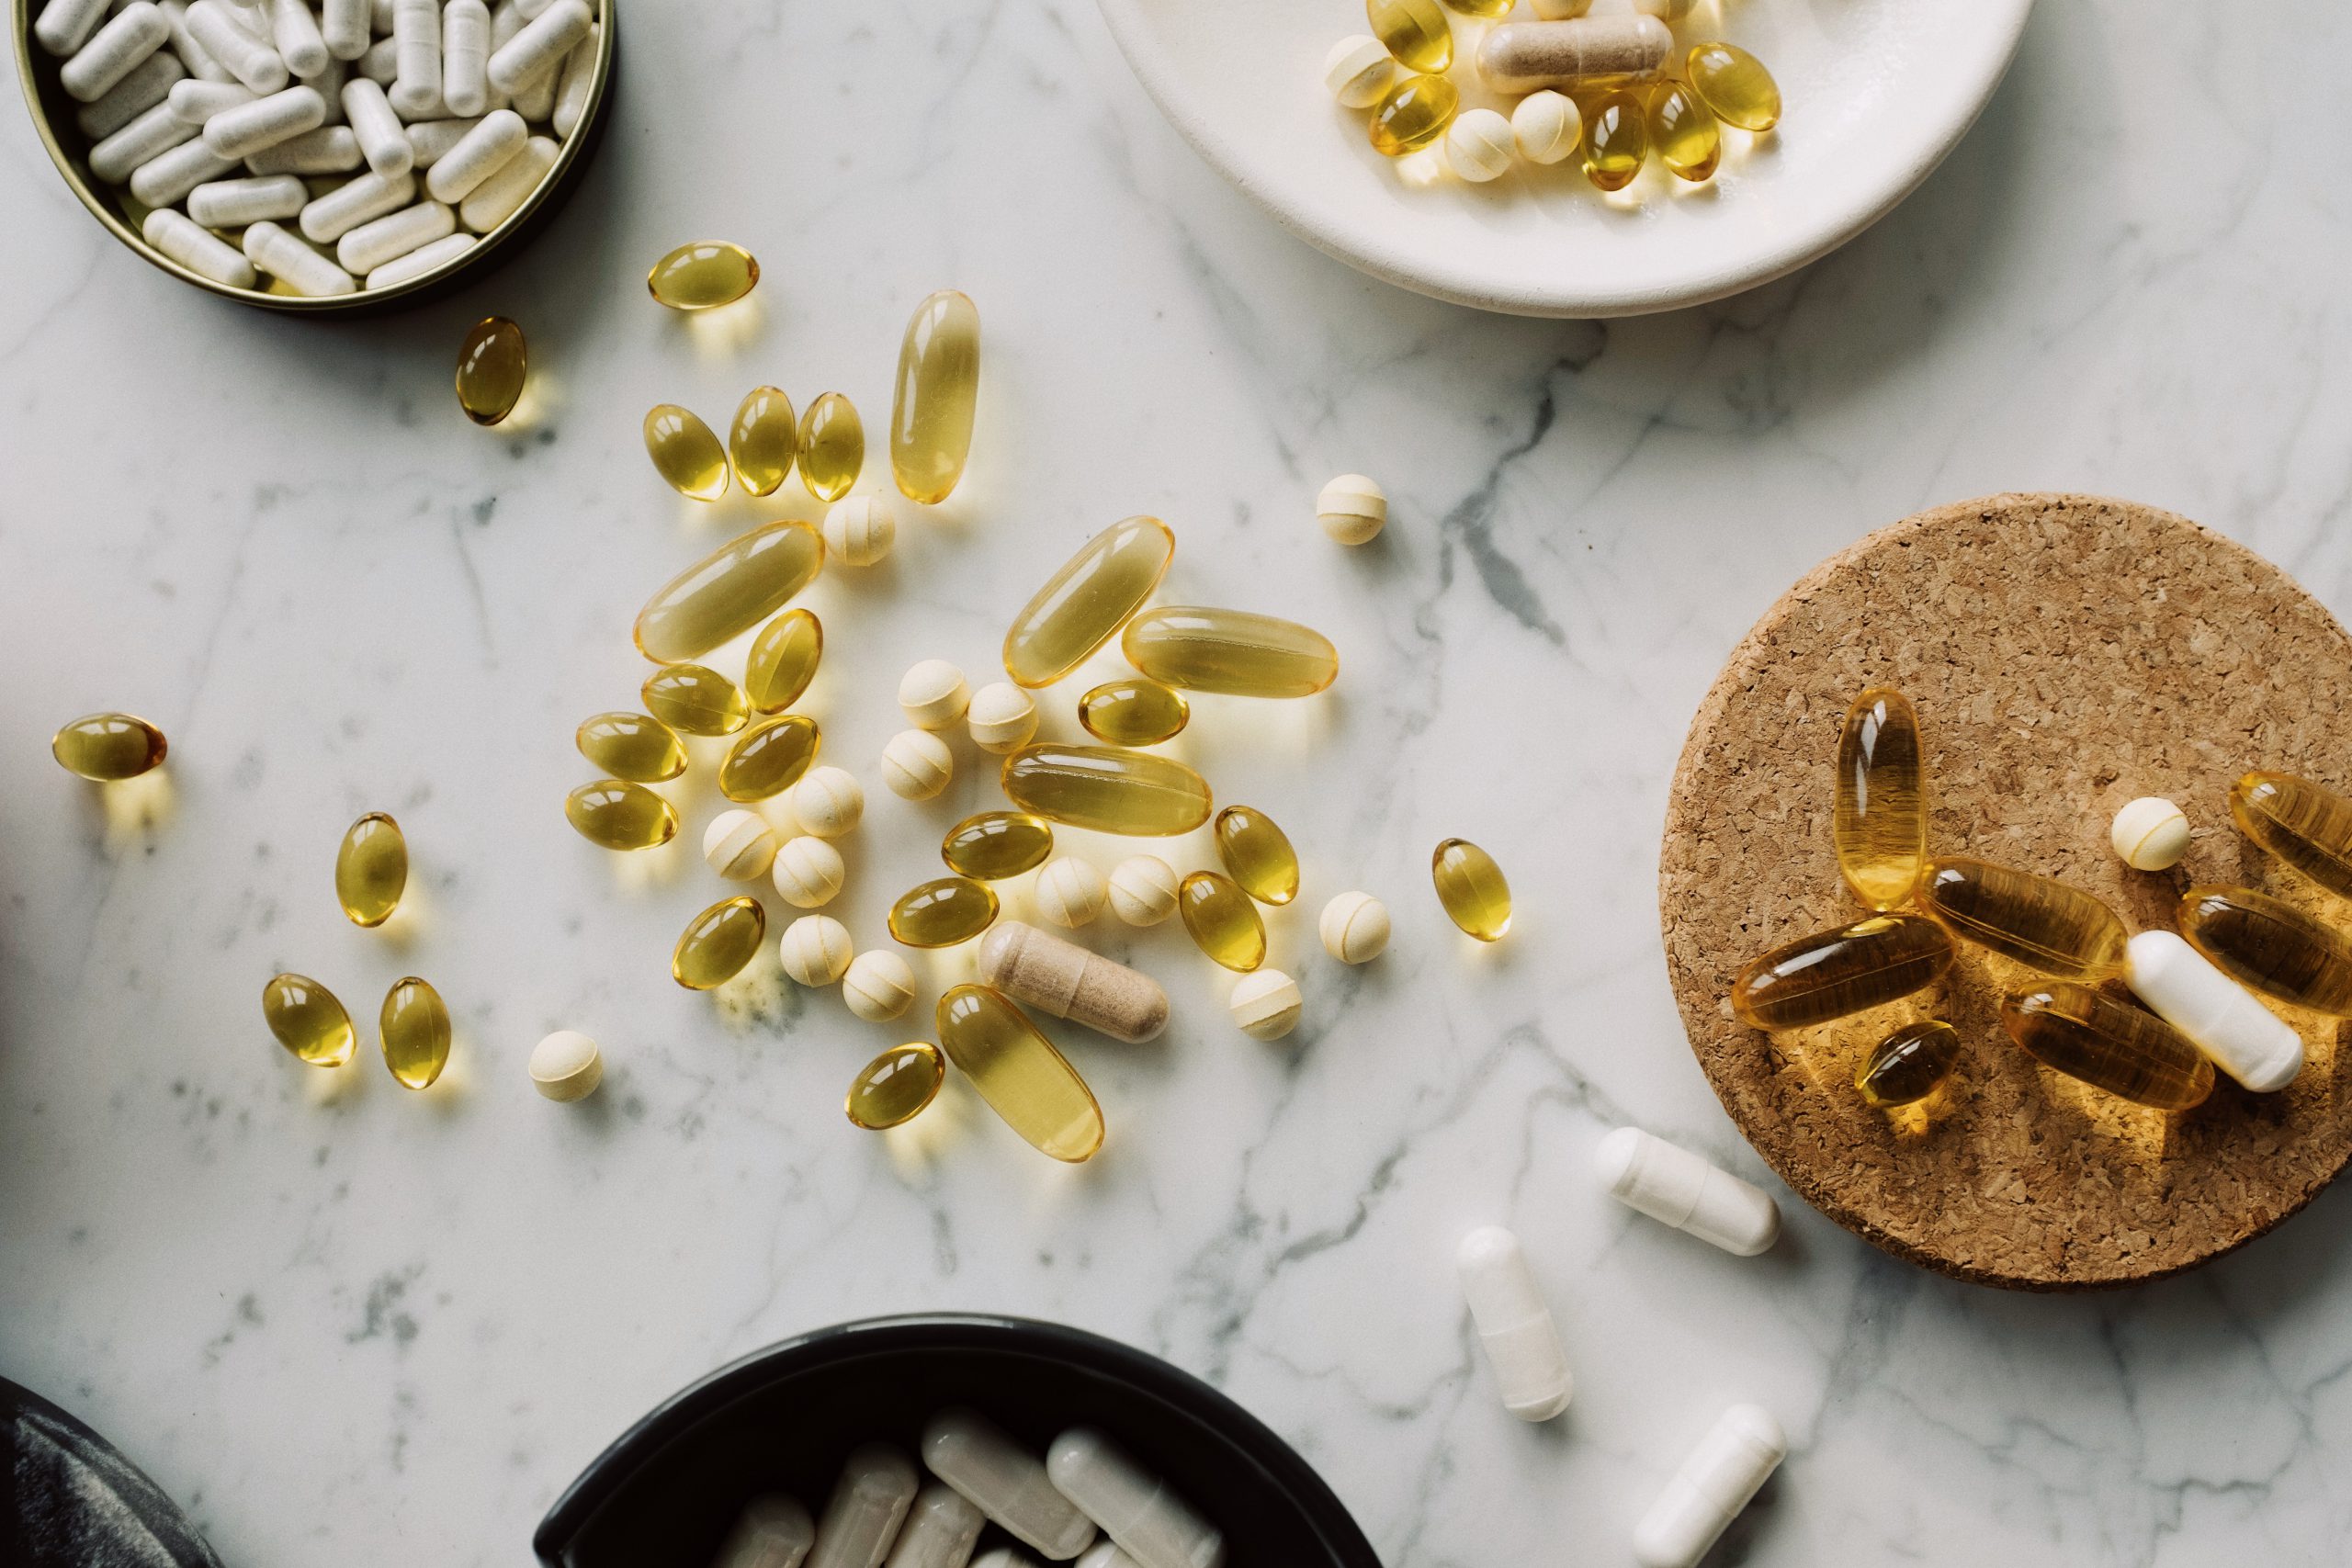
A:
(492, 364)
(718, 942)
(414, 1028)
(943, 913)
(1880, 821)
(1019, 1073)
(1684, 132)
(1234, 652)
(1108, 790)
(616, 815)
(1616, 139)
(2109, 1044)
(996, 844)
(2270, 945)
(1412, 114)
(1415, 32)
(728, 591)
(703, 275)
(1735, 85)
(1138, 711)
(308, 1019)
(632, 745)
(685, 454)
(107, 747)
(2038, 920)
(769, 759)
(832, 447)
(1472, 888)
(1833, 973)
(1222, 920)
(371, 870)
(783, 661)
(1087, 600)
(1258, 854)
(894, 1089)
(763, 440)
(2301, 824)
(938, 390)
(696, 699)
(1908, 1065)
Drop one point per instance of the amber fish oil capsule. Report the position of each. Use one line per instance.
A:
(832, 447)
(1514, 1325)
(717, 943)
(1684, 133)
(896, 1087)
(728, 591)
(2271, 946)
(1233, 652)
(684, 453)
(1616, 140)
(1471, 888)
(937, 392)
(107, 747)
(492, 364)
(1019, 1073)
(1110, 791)
(783, 661)
(1258, 854)
(764, 441)
(1833, 973)
(703, 275)
(1004, 1481)
(695, 700)
(2298, 823)
(769, 759)
(1412, 115)
(2037, 920)
(371, 870)
(996, 844)
(1735, 85)
(1908, 1065)
(1415, 32)
(632, 745)
(1222, 920)
(1133, 712)
(943, 913)
(1087, 600)
(414, 1030)
(1879, 823)
(617, 815)
(308, 1019)
(2108, 1045)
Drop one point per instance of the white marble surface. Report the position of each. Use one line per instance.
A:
(371, 1328)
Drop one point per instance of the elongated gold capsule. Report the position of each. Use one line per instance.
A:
(943, 913)
(702, 275)
(615, 814)
(1684, 132)
(2109, 1044)
(1110, 791)
(1833, 973)
(1137, 711)
(492, 365)
(783, 661)
(763, 440)
(718, 942)
(308, 1019)
(1233, 652)
(695, 699)
(685, 454)
(2297, 822)
(1258, 854)
(1087, 600)
(1879, 824)
(832, 447)
(2037, 920)
(1223, 924)
(632, 745)
(1415, 32)
(728, 591)
(996, 844)
(1412, 114)
(1616, 139)
(937, 393)
(106, 747)
(414, 1028)
(1908, 1065)
(1019, 1073)
(896, 1087)
(769, 759)
(371, 870)
(1473, 889)
(2271, 946)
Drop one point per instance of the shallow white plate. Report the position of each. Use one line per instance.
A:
(1875, 93)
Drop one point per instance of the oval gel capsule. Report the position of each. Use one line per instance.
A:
(1514, 1325)
(2184, 988)
(1676, 1187)
(1729, 1466)
(1151, 1524)
(1005, 1482)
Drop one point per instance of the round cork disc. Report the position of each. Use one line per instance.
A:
(2065, 654)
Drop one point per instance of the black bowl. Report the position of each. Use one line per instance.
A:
(783, 1418)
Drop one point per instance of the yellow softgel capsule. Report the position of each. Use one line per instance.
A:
(615, 814)
(1258, 854)
(943, 913)
(1473, 889)
(702, 275)
(894, 1089)
(2299, 823)
(1735, 85)
(718, 942)
(937, 392)
(1111, 791)
(414, 1030)
(1234, 652)
(308, 1019)
(1019, 1073)
(1833, 973)
(1616, 139)
(1223, 921)
(685, 454)
(1684, 132)
(2269, 945)
(107, 747)
(1908, 1065)
(769, 759)
(371, 870)
(996, 844)
(2109, 1044)
(832, 447)
(728, 591)
(1879, 819)
(632, 745)
(695, 700)
(1487, 8)
(1087, 600)
(764, 441)
(492, 364)
(2037, 920)
(783, 661)
(1412, 114)
(1133, 712)
(1415, 32)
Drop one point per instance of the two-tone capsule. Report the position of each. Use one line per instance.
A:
(1108, 790)
(1236, 652)
(1087, 600)
(935, 396)
(1833, 973)
(728, 591)
(717, 943)
(1019, 1073)
(371, 870)
(993, 845)
(943, 913)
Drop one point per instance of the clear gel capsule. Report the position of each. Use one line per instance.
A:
(1233, 652)
(832, 447)
(996, 844)
(728, 591)
(1136, 1508)
(106, 747)
(695, 700)
(1908, 1065)
(1004, 1481)
(1222, 920)
(631, 746)
(1514, 1325)
(1087, 600)
(414, 1028)
(938, 390)
(685, 454)
(2271, 946)
(1258, 854)
(1110, 791)
(1133, 712)
(371, 870)
(308, 1019)
(1473, 889)
(764, 441)
(769, 758)
(492, 364)
(783, 661)
(717, 943)
(615, 814)
(1833, 973)
(2037, 920)
(893, 1089)
(702, 275)
(2108, 1045)
(1879, 824)
(943, 913)
(1019, 1073)
(2299, 824)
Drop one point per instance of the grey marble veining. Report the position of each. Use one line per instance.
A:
(344, 1323)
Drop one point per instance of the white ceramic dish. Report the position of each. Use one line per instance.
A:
(1877, 92)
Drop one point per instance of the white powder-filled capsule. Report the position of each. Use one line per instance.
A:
(566, 1066)
(232, 204)
(245, 129)
(940, 1532)
(344, 209)
(739, 846)
(197, 248)
(2221, 1016)
(535, 99)
(383, 141)
(465, 56)
(1358, 70)
(422, 260)
(416, 48)
(917, 764)
(1143, 890)
(344, 25)
(150, 83)
(429, 140)
(1478, 145)
(1725, 1470)
(540, 47)
(381, 63)
(807, 872)
(774, 1532)
(163, 179)
(329, 150)
(195, 103)
(878, 985)
(1107, 1554)
(1150, 1523)
(816, 948)
(1004, 1481)
(379, 17)
(572, 86)
(142, 142)
(294, 263)
(195, 56)
(224, 38)
(294, 32)
(394, 235)
(828, 802)
(113, 51)
(1514, 1325)
(934, 694)
(65, 26)
(861, 1519)
(496, 198)
(1676, 1187)
(1546, 127)
(488, 146)
(329, 82)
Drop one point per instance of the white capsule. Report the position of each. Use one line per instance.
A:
(1002, 718)
(232, 204)
(1725, 1470)
(2221, 1016)
(1514, 1325)
(329, 150)
(572, 86)
(331, 217)
(343, 24)
(1003, 1557)
(535, 99)
(807, 872)
(381, 63)
(1478, 145)
(1070, 892)
(1358, 70)
(816, 948)
(199, 60)
(773, 1531)
(329, 84)
(113, 51)
(65, 26)
(941, 1528)
(294, 263)
(566, 1066)
(197, 248)
(1546, 126)
(163, 179)
(465, 56)
(934, 694)
(422, 260)
(878, 985)
(876, 1488)
(394, 235)
(540, 47)
(496, 198)
(1150, 1523)
(2150, 834)
(1352, 509)
(1676, 1187)
(858, 531)
(828, 802)
(1143, 890)
(488, 146)
(429, 140)
(379, 17)
(149, 137)
(150, 83)
(383, 141)
(294, 32)
(224, 38)
(917, 764)
(1265, 1004)
(1004, 1481)
(739, 846)
(416, 48)
(245, 129)
(194, 102)
(1107, 1554)
(1354, 928)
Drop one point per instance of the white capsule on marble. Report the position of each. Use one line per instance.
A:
(1150, 1523)
(1546, 126)
(2150, 834)
(878, 985)
(540, 47)
(1354, 928)
(283, 256)
(828, 802)
(739, 846)
(1677, 1187)
(1358, 70)
(807, 872)
(422, 260)
(2221, 1016)
(163, 179)
(859, 531)
(331, 217)
(1070, 892)
(465, 56)
(196, 102)
(148, 84)
(232, 204)
(140, 142)
(876, 1489)
(1002, 718)
(1004, 1481)
(1514, 1325)
(493, 143)
(1265, 1003)
(294, 32)
(417, 47)
(1352, 509)
(1478, 145)
(429, 140)
(345, 27)
(934, 694)
(113, 51)
(566, 1066)
(1727, 1468)
(917, 764)
(239, 132)
(197, 248)
(1143, 890)
(383, 141)
(941, 1528)
(329, 150)
(219, 32)
(816, 950)
(497, 198)
(773, 1531)
(571, 87)
(65, 26)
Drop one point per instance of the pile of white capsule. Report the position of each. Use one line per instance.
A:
(341, 144)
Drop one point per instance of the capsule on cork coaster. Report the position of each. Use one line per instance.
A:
(1068, 981)
(1519, 57)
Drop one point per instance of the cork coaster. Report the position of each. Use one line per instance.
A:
(2065, 653)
